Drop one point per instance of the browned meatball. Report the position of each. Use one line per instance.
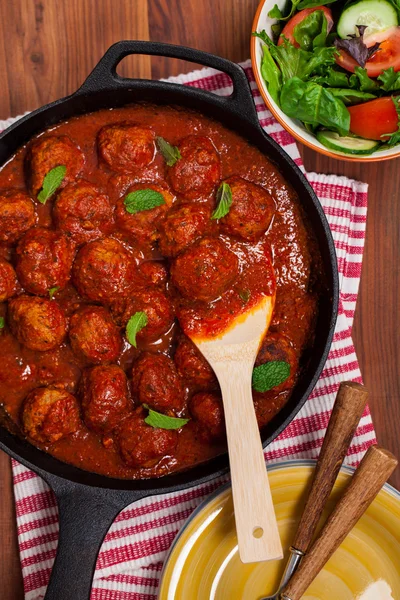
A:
(183, 224)
(83, 212)
(37, 323)
(251, 211)
(198, 170)
(44, 260)
(205, 270)
(154, 272)
(158, 309)
(143, 224)
(276, 347)
(17, 215)
(157, 383)
(193, 367)
(52, 151)
(105, 397)
(208, 410)
(94, 336)
(126, 147)
(104, 271)
(141, 445)
(50, 414)
(8, 280)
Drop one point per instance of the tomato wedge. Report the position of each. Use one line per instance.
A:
(287, 31)
(387, 56)
(374, 119)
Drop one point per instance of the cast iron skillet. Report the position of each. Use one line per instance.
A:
(88, 503)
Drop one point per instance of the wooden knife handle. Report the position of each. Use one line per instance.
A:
(349, 406)
(375, 468)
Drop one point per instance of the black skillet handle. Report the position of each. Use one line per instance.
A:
(85, 516)
(104, 76)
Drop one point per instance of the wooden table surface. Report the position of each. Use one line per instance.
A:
(47, 49)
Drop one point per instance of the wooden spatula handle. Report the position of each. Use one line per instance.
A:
(349, 406)
(375, 468)
(256, 524)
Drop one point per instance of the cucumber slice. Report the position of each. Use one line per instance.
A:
(347, 144)
(378, 15)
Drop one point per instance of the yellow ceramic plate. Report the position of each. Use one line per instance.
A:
(203, 563)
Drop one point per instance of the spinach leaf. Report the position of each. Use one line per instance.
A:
(315, 105)
(351, 96)
(311, 32)
(333, 78)
(271, 74)
(366, 84)
(390, 80)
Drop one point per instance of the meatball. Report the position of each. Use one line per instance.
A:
(44, 260)
(143, 225)
(8, 280)
(193, 367)
(154, 272)
(104, 271)
(141, 445)
(251, 211)
(105, 397)
(156, 382)
(158, 309)
(53, 151)
(276, 347)
(50, 414)
(37, 323)
(126, 147)
(208, 411)
(94, 336)
(83, 212)
(17, 215)
(183, 224)
(205, 270)
(198, 170)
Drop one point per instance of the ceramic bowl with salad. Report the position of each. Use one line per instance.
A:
(329, 71)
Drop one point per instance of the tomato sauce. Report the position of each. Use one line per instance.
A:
(288, 245)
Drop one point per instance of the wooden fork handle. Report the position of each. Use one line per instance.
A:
(349, 406)
(375, 468)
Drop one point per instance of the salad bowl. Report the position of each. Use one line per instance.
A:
(265, 20)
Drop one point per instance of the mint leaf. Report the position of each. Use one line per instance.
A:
(2, 322)
(390, 80)
(160, 421)
(134, 325)
(51, 183)
(170, 153)
(145, 199)
(52, 291)
(270, 375)
(224, 199)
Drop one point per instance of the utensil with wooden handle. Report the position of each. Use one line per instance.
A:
(349, 406)
(375, 468)
(232, 356)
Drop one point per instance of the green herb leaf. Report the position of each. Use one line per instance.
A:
(134, 325)
(270, 375)
(336, 79)
(276, 13)
(51, 183)
(52, 291)
(312, 3)
(160, 421)
(2, 322)
(366, 84)
(244, 295)
(311, 32)
(145, 199)
(170, 153)
(224, 199)
(390, 80)
(351, 96)
(271, 74)
(315, 105)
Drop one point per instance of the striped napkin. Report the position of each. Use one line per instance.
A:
(131, 558)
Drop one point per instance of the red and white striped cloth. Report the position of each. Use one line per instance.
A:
(130, 560)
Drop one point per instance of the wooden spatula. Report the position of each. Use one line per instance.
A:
(232, 356)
